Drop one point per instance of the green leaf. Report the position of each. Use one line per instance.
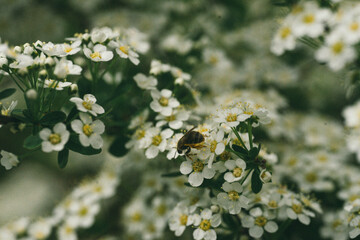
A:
(118, 148)
(72, 114)
(63, 157)
(256, 183)
(53, 117)
(7, 93)
(28, 115)
(172, 174)
(74, 145)
(32, 142)
(239, 149)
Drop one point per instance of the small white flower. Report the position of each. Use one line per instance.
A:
(66, 232)
(175, 120)
(232, 200)
(6, 111)
(237, 170)
(257, 222)
(163, 102)
(230, 117)
(180, 218)
(54, 140)
(206, 223)
(66, 67)
(145, 82)
(89, 131)
(88, 104)
(157, 67)
(57, 85)
(283, 40)
(296, 210)
(180, 76)
(156, 141)
(70, 49)
(82, 213)
(40, 230)
(125, 51)
(265, 176)
(99, 53)
(198, 170)
(22, 61)
(8, 160)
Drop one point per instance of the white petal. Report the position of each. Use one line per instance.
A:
(186, 167)
(77, 126)
(84, 140)
(208, 173)
(59, 128)
(45, 133)
(198, 234)
(271, 227)
(210, 235)
(256, 231)
(220, 147)
(230, 164)
(229, 177)
(206, 214)
(96, 141)
(196, 179)
(304, 219)
(291, 214)
(152, 152)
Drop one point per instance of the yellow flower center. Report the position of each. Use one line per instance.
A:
(311, 177)
(285, 32)
(272, 204)
(170, 118)
(233, 195)
(87, 105)
(338, 47)
(335, 224)
(205, 225)
(5, 112)
(213, 145)
(297, 208)
(354, 26)
(136, 217)
(54, 138)
(87, 130)
(156, 140)
(231, 117)
(68, 49)
(249, 112)
(151, 228)
(139, 134)
(292, 161)
(69, 230)
(124, 49)
(83, 211)
(213, 60)
(322, 158)
(163, 101)
(260, 221)
(237, 172)
(183, 220)
(39, 235)
(95, 55)
(161, 210)
(198, 166)
(308, 18)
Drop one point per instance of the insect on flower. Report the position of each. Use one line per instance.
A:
(191, 139)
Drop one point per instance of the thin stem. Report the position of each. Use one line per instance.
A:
(246, 176)
(239, 137)
(13, 78)
(250, 135)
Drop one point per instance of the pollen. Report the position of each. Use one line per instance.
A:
(337, 47)
(285, 32)
(68, 49)
(55, 138)
(237, 172)
(205, 225)
(231, 117)
(87, 105)
(163, 101)
(354, 26)
(335, 224)
(161, 209)
(95, 55)
(183, 219)
(297, 208)
(170, 118)
(156, 140)
(139, 134)
(260, 221)
(124, 49)
(83, 211)
(213, 145)
(87, 130)
(233, 195)
(308, 18)
(273, 204)
(198, 166)
(136, 217)
(311, 177)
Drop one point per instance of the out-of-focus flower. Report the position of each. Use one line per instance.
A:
(8, 160)
(98, 54)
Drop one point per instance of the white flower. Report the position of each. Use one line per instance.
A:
(88, 104)
(89, 131)
(57, 85)
(156, 141)
(145, 82)
(100, 35)
(40, 230)
(163, 102)
(82, 213)
(22, 61)
(257, 222)
(206, 223)
(237, 170)
(352, 115)
(197, 170)
(265, 176)
(230, 117)
(66, 232)
(355, 224)
(56, 139)
(51, 49)
(70, 49)
(99, 53)
(8, 160)
(66, 67)
(296, 210)
(214, 145)
(180, 218)
(180, 76)
(232, 200)
(7, 111)
(125, 51)
(283, 40)
(156, 67)
(336, 53)
(175, 120)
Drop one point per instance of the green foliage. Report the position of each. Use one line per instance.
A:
(7, 93)
(32, 142)
(63, 157)
(53, 118)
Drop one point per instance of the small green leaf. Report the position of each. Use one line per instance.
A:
(256, 183)
(72, 114)
(63, 157)
(118, 148)
(28, 115)
(239, 149)
(53, 117)
(172, 174)
(74, 145)
(32, 142)
(7, 93)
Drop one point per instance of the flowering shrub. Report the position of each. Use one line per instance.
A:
(203, 133)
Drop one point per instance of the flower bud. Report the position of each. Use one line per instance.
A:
(49, 61)
(17, 49)
(31, 94)
(74, 88)
(28, 50)
(215, 208)
(265, 176)
(43, 73)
